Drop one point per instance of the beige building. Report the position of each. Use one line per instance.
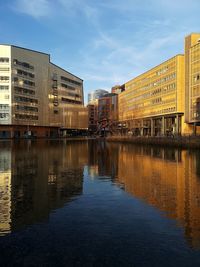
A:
(36, 96)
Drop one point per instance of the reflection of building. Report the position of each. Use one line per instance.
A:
(165, 179)
(96, 94)
(102, 159)
(42, 177)
(36, 96)
(5, 191)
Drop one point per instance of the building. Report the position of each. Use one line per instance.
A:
(94, 99)
(152, 103)
(166, 99)
(117, 89)
(192, 79)
(96, 94)
(103, 114)
(36, 95)
(92, 116)
(108, 113)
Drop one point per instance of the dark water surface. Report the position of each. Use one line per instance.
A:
(98, 204)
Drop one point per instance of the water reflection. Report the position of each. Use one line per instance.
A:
(168, 179)
(36, 178)
(102, 160)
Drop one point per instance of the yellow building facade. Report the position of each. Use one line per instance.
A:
(152, 103)
(192, 81)
(166, 99)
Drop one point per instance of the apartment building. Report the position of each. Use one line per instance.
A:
(36, 95)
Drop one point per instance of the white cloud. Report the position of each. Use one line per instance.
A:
(121, 40)
(58, 9)
(34, 8)
(122, 62)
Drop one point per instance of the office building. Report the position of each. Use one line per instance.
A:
(166, 99)
(192, 79)
(36, 96)
(152, 103)
(108, 113)
(96, 94)
(92, 116)
(117, 89)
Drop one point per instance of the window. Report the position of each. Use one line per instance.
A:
(4, 106)
(25, 99)
(4, 59)
(25, 91)
(70, 80)
(68, 86)
(4, 87)
(26, 117)
(157, 100)
(23, 82)
(23, 64)
(25, 73)
(4, 115)
(73, 94)
(29, 83)
(4, 78)
(70, 101)
(196, 77)
(4, 69)
(27, 108)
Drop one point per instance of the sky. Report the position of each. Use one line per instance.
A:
(104, 42)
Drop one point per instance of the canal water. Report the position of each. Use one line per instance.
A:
(98, 204)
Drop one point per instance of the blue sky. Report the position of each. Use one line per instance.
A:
(104, 42)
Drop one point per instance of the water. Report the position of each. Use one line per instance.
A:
(98, 204)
